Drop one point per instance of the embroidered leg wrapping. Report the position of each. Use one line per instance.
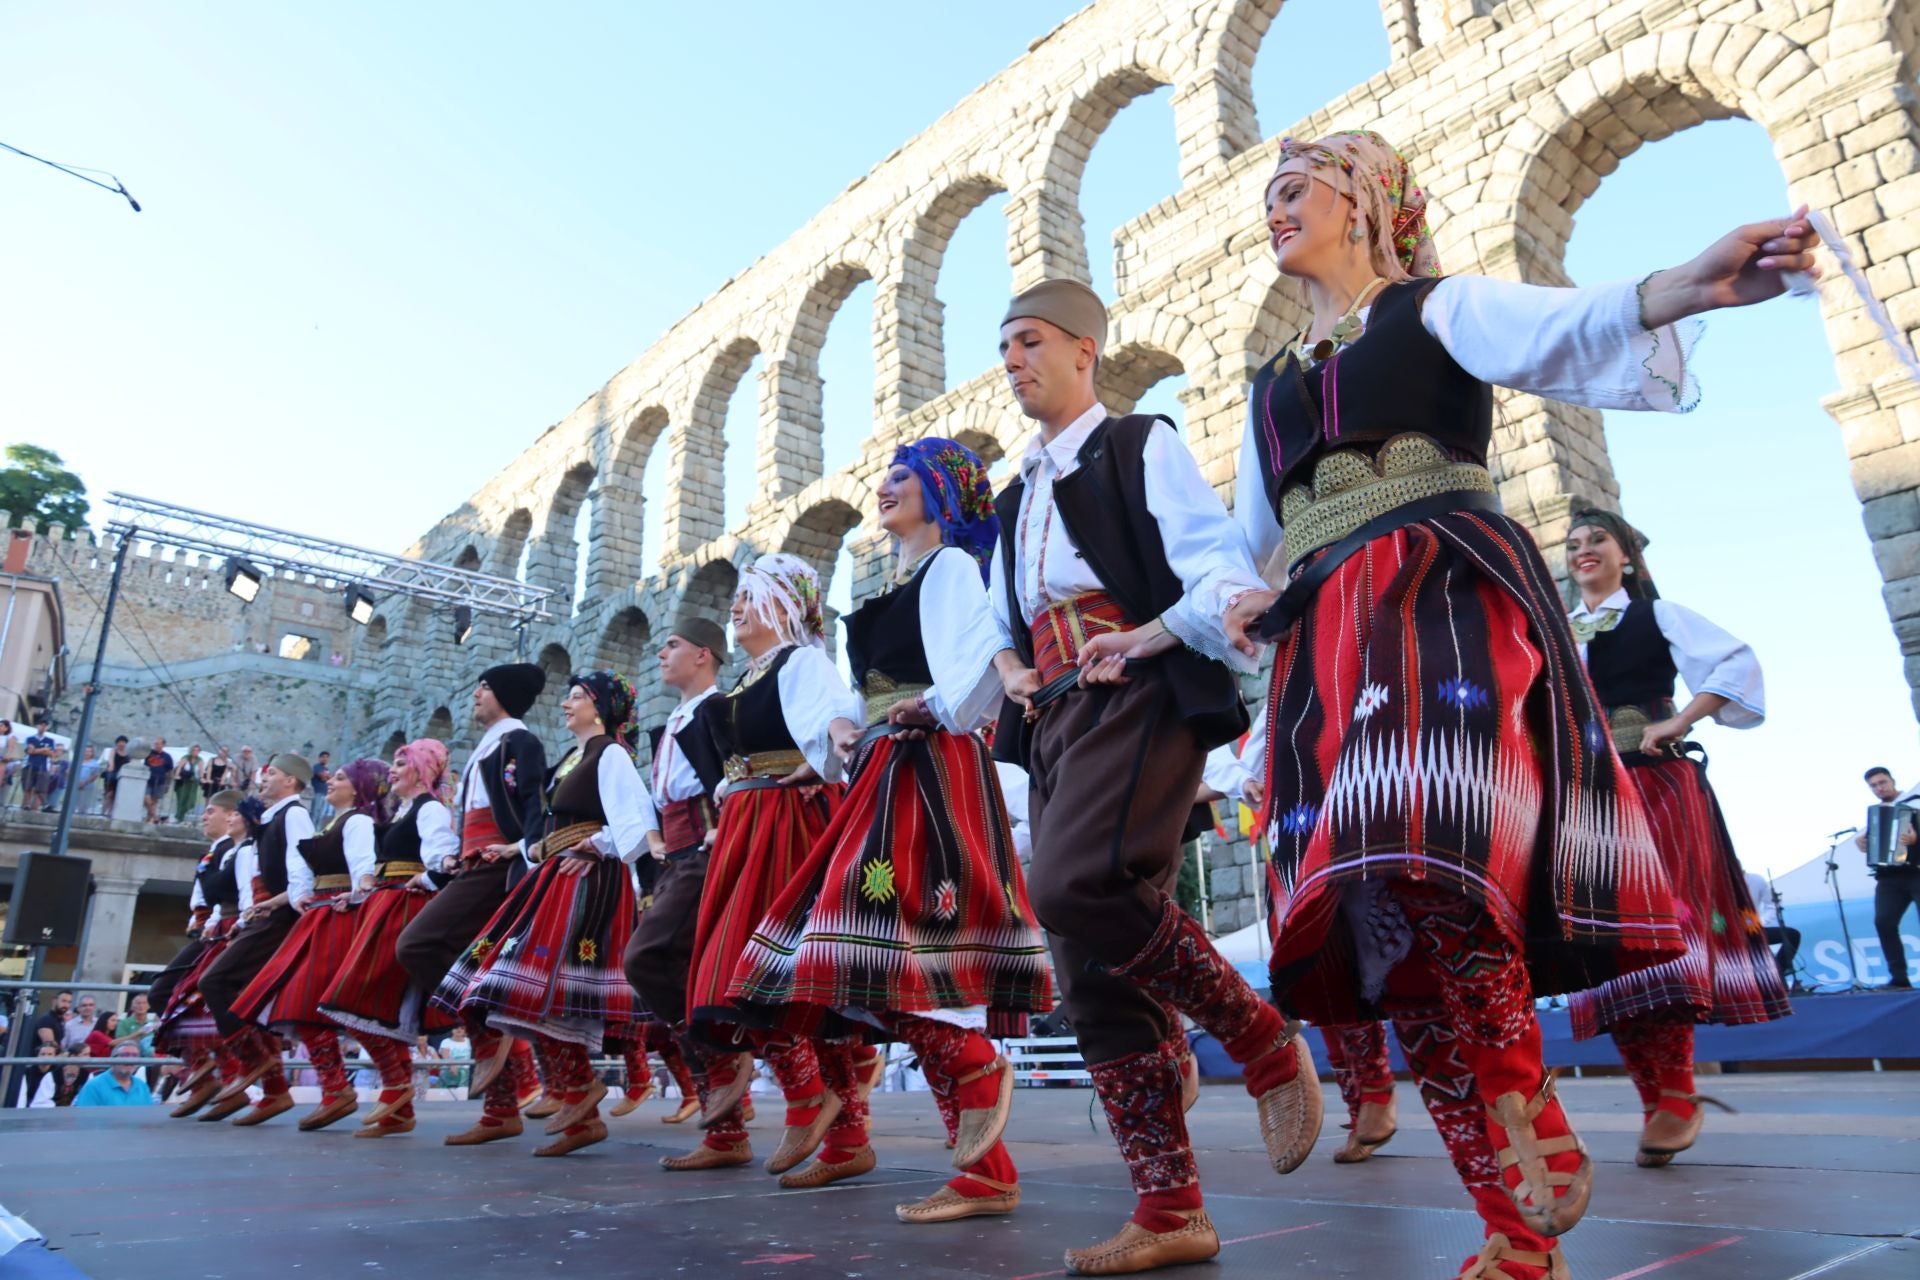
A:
(1484, 989)
(842, 1076)
(731, 1130)
(1180, 967)
(796, 1069)
(1361, 1068)
(1141, 1095)
(1657, 1049)
(323, 1051)
(639, 1071)
(949, 1054)
(677, 1067)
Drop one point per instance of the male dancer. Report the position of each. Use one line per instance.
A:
(498, 803)
(253, 1051)
(1114, 551)
(213, 884)
(685, 771)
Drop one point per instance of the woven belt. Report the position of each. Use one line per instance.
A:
(1349, 490)
(763, 764)
(882, 694)
(568, 837)
(478, 830)
(1629, 725)
(332, 884)
(1062, 631)
(764, 783)
(399, 870)
(684, 823)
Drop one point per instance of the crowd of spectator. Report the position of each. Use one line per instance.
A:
(75, 1027)
(35, 767)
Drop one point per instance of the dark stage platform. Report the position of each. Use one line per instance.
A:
(1819, 1175)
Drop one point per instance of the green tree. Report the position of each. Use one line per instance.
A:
(34, 484)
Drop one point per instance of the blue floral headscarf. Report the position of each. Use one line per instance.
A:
(958, 495)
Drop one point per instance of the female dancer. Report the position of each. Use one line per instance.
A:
(782, 783)
(547, 966)
(373, 997)
(1452, 833)
(186, 1025)
(912, 903)
(285, 995)
(1635, 645)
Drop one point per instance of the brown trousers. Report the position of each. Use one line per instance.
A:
(660, 953)
(450, 922)
(1115, 772)
(241, 962)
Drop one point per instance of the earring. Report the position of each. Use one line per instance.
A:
(1627, 570)
(1356, 235)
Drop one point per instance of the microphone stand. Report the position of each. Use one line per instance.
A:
(1846, 934)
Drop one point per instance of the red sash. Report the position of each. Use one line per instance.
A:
(1063, 629)
(477, 831)
(684, 823)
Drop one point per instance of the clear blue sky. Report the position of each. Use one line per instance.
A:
(385, 246)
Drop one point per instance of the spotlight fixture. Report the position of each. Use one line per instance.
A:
(462, 623)
(359, 604)
(243, 579)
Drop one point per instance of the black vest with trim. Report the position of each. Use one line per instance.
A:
(883, 634)
(512, 809)
(1632, 665)
(325, 852)
(270, 850)
(575, 796)
(219, 886)
(1102, 505)
(1395, 379)
(696, 744)
(399, 840)
(747, 719)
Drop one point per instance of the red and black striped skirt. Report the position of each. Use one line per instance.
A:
(186, 1016)
(372, 994)
(548, 963)
(287, 991)
(1728, 974)
(760, 846)
(1430, 719)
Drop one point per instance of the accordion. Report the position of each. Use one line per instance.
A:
(1885, 823)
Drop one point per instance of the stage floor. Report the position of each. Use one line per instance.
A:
(1819, 1175)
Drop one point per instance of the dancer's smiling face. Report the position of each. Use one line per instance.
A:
(902, 501)
(1596, 560)
(1308, 223)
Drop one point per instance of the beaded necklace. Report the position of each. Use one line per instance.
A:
(1347, 328)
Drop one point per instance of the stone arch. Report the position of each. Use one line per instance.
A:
(816, 534)
(984, 443)
(709, 592)
(913, 370)
(789, 442)
(614, 539)
(514, 532)
(1127, 372)
(553, 555)
(398, 739)
(625, 643)
(469, 558)
(696, 496)
(439, 725)
(1047, 216)
(1213, 109)
(544, 716)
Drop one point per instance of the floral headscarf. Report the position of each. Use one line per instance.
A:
(613, 697)
(428, 756)
(1633, 544)
(958, 496)
(783, 592)
(1368, 170)
(370, 779)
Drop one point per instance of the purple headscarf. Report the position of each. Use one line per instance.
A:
(957, 494)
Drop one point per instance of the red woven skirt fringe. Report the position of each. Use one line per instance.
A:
(1728, 974)
(1430, 719)
(286, 993)
(373, 995)
(911, 901)
(548, 963)
(760, 846)
(186, 1016)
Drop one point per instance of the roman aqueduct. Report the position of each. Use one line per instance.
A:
(1512, 114)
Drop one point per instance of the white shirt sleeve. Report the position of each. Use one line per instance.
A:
(246, 865)
(1583, 346)
(1714, 661)
(1225, 773)
(1251, 509)
(997, 602)
(958, 631)
(438, 843)
(299, 874)
(1204, 547)
(812, 696)
(363, 855)
(195, 899)
(628, 804)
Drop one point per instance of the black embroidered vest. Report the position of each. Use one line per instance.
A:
(1632, 665)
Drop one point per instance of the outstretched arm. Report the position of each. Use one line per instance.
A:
(1745, 266)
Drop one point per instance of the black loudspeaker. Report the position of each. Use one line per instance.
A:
(49, 903)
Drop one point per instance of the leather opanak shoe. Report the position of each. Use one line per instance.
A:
(1376, 1125)
(1138, 1249)
(486, 1129)
(948, 1205)
(579, 1136)
(822, 1173)
(265, 1109)
(706, 1157)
